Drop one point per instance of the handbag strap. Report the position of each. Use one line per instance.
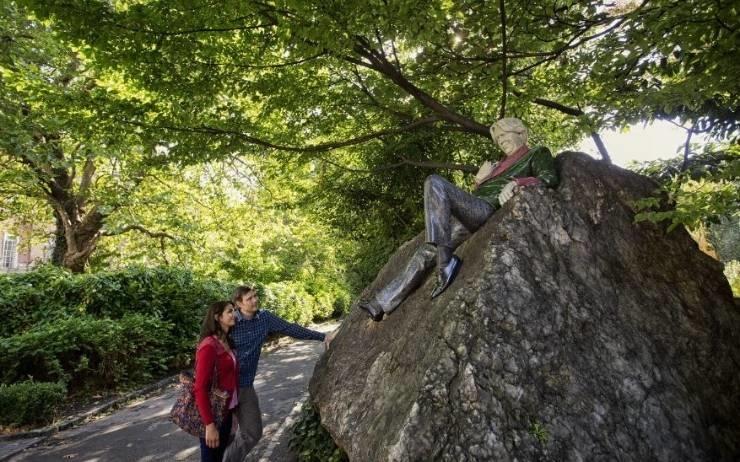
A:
(214, 341)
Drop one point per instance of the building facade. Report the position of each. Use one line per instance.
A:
(18, 250)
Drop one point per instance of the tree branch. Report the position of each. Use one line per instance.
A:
(440, 165)
(601, 147)
(574, 43)
(380, 64)
(164, 33)
(405, 161)
(558, 107)
(576, 112)
(361, 83)
(322, 147)
(141, 229)
(687, 149)
(262, 66)
(88, 172)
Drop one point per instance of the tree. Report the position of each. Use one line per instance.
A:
(337, 74)
(57, 143)
(369, 90)
(235, 222)
(702, 189)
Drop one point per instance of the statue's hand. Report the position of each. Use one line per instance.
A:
(508, 192)
(483, 172)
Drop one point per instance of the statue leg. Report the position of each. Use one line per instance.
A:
(422, 260)
(443, 201)
(451, 214)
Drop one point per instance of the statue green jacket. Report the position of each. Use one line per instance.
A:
(536, 166)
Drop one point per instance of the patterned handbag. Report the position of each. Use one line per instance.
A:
(185, 412)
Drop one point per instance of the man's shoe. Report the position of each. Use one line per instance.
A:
(447, 275)
(376, 314)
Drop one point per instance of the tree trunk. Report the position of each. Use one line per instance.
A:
(77, 234)
(60, 242)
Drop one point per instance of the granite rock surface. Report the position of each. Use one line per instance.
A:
(570, 334)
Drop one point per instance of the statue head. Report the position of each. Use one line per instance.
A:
(509, 134)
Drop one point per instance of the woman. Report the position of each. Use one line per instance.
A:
(215, 355)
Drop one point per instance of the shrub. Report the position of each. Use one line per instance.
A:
(310, 440)
(293, 302)
(171, 294)
(86, 352)
(30, 402)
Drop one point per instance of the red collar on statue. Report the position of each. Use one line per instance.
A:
(509, 161)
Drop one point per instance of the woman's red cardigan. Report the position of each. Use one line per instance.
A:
(210, 351)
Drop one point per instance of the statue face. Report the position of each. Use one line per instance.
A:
(509, 141)
(509, 134)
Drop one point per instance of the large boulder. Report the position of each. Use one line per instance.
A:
(571, 333)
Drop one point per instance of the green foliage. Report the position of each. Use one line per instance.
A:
(696, 202)
(350, 104)
(703, 192)
(310, 440)
(292, 302)
(30, 402)
(243, 225)
(104, 330)
(700, 192)
(174, 295)
(539, 431)
(89, 353)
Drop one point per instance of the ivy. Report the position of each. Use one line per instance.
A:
(311, 442)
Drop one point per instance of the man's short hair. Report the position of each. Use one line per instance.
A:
(240, 292)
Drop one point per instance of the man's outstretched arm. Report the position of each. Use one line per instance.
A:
(278, 325)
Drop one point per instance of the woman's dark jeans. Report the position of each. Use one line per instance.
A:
(217, 454)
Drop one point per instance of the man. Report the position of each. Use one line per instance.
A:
(451, 214)
(249, 333)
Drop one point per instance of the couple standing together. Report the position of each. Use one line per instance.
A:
(231, 336)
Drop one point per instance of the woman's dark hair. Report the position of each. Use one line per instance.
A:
(210, 326)
(240, 292)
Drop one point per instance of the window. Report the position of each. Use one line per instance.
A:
(10, 252)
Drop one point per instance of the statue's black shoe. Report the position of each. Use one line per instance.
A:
(376, 314)
(447, 275)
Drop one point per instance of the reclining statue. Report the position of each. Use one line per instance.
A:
(451, 215)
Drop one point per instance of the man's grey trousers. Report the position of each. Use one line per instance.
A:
(450, 216)
(249, 416)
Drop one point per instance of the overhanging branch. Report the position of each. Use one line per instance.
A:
(576, 112)
(378, 62)
(141, 229)
(322, 147)
(431, 164)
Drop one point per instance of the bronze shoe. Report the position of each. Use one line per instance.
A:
(447, 275)
(376, 314)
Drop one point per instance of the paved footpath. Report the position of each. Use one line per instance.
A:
(141, 431)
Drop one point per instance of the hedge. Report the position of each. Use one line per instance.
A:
(29, 402)
(89, 353)
(171, 294)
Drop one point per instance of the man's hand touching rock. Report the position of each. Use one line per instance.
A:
(328, 338)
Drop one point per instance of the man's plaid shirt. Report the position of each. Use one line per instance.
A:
(249, 335)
